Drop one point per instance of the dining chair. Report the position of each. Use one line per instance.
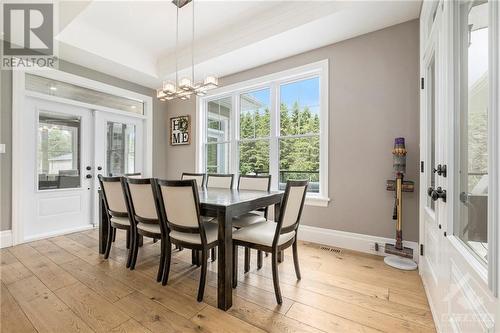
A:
(144, 217)
(256, 183)
(200, 181)
(179, 210)
(116, 207)
(275, 237)
(216, 180)
(199, 177)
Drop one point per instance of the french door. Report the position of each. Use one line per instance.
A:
(459, 107)
(64, 149)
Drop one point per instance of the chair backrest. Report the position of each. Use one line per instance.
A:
(291, 207)
(199, 177)
(257, 183)
(141, 199)
(113, 195)
(179, 206)
(133, 175)
(220, 180)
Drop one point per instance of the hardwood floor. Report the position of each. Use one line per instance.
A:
(62, 285)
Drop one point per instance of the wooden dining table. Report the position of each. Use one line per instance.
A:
(224, 204)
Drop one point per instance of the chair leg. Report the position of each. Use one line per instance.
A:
(203, 277)
(166, 266)
(296, 259)
(127, 243)
(114, 234)
(141, 240)
(247, 260)
(276, 282)
(135, 250)
(131, 237)
(162, 260)
(259, 259)
(197, 254)
(213, 254)
(193, 257)
(235, 266)
(109, 242)
(280, 256)
(155, 240)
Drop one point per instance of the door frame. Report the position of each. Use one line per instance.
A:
(19, 93)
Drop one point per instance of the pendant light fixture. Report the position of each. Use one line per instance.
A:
(185, 87)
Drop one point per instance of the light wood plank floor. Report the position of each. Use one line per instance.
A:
(62, 285)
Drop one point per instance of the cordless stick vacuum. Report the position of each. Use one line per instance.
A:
(399, 256)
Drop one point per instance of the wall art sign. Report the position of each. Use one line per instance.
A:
(180, 130)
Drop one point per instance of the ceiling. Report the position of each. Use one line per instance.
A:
(135, 40)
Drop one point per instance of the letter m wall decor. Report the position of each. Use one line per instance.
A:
(180, 130)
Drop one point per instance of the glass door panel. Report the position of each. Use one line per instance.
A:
(120, 148)
(58, 151)
(472, 146)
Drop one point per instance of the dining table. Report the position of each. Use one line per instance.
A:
(222, 204)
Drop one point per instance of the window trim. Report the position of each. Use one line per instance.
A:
(273, 82)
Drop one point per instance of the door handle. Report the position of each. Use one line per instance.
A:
(436, 194)
(88, 176)
(440, 170)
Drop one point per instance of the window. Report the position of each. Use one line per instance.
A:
(43, 85)
(472, 148)
(275, 125)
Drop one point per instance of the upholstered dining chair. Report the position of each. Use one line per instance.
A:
(116, 207)
(199, 177)
(179, 209)
(275, 237)
(256, 183)
(216, 180)
(200, 181)
(144, 217)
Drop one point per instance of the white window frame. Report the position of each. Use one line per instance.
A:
(272, 82)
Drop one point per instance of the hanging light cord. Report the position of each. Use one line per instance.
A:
(176, 42)
(192, 51)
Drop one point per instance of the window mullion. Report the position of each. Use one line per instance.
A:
(273, 142)
(234, 135)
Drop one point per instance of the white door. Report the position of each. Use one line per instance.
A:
(433, 141)
(119, 146)
(57, 185)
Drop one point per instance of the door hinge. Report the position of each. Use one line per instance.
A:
(422, 83)
(421, 249)
(422, 166)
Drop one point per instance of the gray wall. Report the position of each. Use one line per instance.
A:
(160, 133)
(373, 98)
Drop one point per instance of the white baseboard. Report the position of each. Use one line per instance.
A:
(5, 238)
(350, 241)
(57, 233)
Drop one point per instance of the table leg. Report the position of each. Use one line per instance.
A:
(103, 225)
(224, 261)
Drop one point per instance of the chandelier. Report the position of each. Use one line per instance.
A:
(185, 87)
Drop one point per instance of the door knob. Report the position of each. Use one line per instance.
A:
(88, 176)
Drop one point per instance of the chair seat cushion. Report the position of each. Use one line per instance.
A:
(247, 219)
(149, 227)
(211, 231)
(121, 221)
(261, 233)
